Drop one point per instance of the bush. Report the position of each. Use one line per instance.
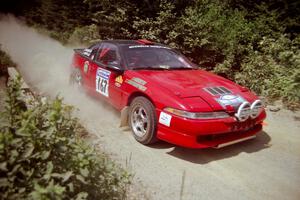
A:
(85, 35)
(42, 156)
(159, 28)
(230, 37)
(274, 69)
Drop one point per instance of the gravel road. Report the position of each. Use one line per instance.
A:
(267, 167)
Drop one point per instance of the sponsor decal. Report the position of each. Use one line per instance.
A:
(165, 119)
(164, 66)
(152, 46)
(87, 52)
(229, 99)
(102, 81)
(119, 81)
(138, 83)
(138, 80)
(86, 66)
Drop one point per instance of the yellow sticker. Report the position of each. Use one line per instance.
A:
(119, 79)
(86, 66)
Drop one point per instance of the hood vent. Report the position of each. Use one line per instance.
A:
(217, 90)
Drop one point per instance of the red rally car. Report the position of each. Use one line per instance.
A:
(162, 95)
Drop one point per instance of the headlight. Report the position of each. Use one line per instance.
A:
(197, 115)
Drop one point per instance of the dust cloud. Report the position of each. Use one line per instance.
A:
(45, 65)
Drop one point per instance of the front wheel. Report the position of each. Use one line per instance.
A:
(143, 120)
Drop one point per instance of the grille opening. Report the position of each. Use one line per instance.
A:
(213, 92)
(218, 90)
(225, 89)
(213, 137)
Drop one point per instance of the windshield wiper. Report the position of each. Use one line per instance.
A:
(149, 68)
(182, 68)
(163, 68)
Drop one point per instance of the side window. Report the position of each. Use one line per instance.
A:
(91, 51)
(108, 54)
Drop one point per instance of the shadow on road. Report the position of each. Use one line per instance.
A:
(204, 156)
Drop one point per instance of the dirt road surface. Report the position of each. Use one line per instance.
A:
(267, 167)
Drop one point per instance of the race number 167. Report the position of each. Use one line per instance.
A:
(102, 85)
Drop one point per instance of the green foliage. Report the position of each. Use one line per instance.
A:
(158, 28)
(274, 69)
(59, 17)
(210, 30)
(85, 35)
(223, 36)
(113, 19)
(42, 157)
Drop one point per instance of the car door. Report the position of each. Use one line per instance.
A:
(108, 81)
(89, 66)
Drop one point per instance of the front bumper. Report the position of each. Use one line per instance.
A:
(209, 133)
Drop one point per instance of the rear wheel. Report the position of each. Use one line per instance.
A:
(143, 120)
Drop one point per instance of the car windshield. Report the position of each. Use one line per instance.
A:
(155, 57)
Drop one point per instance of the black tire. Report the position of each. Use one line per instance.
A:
(148, 109)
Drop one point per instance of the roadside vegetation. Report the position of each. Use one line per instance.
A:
(42, 155)
(255, 43)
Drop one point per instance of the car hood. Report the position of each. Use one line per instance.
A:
(191, 83)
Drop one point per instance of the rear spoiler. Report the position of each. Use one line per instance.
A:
(83, 51)
(78, 50)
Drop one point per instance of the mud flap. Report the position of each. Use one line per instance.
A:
(124, 117)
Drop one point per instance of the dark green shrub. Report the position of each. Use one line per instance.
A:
(274, 69)
(234, 38)
(85, 35)
(42, 156)
(158, 28)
